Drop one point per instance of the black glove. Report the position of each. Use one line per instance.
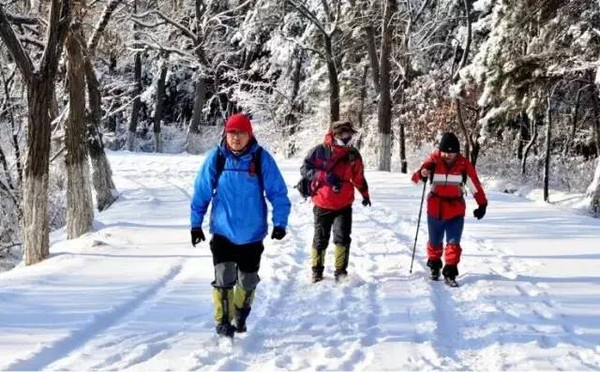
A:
(366, 201)
(278, 233)
(197, 235)
(480, 212)
(334, 181)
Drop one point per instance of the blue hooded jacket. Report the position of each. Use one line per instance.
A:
(239, 211)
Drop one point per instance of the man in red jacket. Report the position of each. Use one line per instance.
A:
(449, 171)
(334, 168)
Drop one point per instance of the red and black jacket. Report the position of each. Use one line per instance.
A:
(346, 163)
(445, 201)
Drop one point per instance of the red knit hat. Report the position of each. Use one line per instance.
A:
(238, 122)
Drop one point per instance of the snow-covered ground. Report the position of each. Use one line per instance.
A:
(136, 295)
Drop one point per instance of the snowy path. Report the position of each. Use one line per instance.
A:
(135, 295)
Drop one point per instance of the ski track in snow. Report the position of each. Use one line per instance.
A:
(100, 323)
(381, 317)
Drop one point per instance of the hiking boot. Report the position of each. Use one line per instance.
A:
(317, 276)
(240, 319)
(225, 329)
(435, 266)
(450, 281)
(340, 274)
(317, 273)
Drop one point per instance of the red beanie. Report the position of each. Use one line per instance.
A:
(238, 122)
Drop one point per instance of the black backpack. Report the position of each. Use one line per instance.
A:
(255, 163)
(304, 186)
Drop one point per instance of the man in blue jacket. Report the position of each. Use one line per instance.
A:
(236, 176)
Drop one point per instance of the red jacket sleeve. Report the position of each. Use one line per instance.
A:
(358, 178)
(429, 163)
(474, 185)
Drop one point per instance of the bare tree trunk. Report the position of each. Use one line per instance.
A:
(373, 59)
(384, 109)
(160, 97)
(594, 191)
(291, 119)
(534, 135)
(361, 111)
(463, 127)
(101, 26)
(328, 55)
(594, 188)
(297, 74)
(334, 84)
(53, 106)
(476, 147)
(363, 96)
(15, 129)
(200, 81)
(403, 161)
(596, 121)
(548, 149)
(469, 143)
(135, 109)
(199, 102)
(133, 123)
(523, 134)
(35, 188)
(106, 192)
(80, 209)
(36, 227)
(574, 120)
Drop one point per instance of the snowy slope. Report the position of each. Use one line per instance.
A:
(136, 295)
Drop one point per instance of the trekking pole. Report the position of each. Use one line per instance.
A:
(418, 223)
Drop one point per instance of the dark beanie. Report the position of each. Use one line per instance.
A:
(449, 143)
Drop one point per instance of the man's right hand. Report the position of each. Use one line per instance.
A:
(197, 235)
(425, 173)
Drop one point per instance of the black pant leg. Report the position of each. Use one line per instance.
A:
(342, 227)
(224, 261)
(248, 256)
(323, 221)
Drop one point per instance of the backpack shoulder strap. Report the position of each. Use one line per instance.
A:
(257, 160)
(220, 166)
(324, 150)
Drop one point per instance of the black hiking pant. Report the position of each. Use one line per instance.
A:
(326, 220)
(235, 262)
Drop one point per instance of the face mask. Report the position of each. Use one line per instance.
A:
(341, 142)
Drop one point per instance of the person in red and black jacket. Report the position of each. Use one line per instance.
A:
(334, 168)
(448, 171)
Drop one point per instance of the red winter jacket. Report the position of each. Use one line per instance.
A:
(346, 163)
(445, 201)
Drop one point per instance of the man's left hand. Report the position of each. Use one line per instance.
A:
(278, 233)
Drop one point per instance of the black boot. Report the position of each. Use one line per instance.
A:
(225, 329)
(317, 274)
(240, 319)
(450, 273)
(340, 274)
(435, 266)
